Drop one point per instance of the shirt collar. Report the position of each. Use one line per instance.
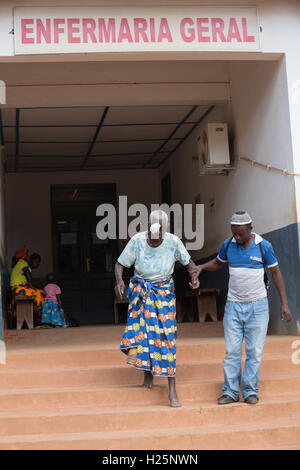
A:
(258, 239)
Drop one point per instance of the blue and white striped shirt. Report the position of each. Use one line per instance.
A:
(246, 268)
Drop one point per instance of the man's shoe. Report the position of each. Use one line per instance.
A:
(252, 399)
(225, 399)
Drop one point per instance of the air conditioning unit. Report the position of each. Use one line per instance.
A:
(213, 148)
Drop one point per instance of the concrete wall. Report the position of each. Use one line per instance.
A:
(2, 245)
(29, 210)
(258, 119)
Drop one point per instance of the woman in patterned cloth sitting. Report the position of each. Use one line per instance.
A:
(149, 340)
(21, 283)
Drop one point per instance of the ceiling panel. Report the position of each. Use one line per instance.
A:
(129, 136)
(60, 116)
(9, 134)
(46, 162)
(143, 114)
(197, 113)
(136, 132)
(8, 116)
(183, 130)
(53, 149)
(122, 160)
(124, 147)
(57, 134)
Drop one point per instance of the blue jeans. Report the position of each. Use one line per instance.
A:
(247, 320)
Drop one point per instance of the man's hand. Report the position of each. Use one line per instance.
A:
(286, 314)
(119, 289)
(199, 269)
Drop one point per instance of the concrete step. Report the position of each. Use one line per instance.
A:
(219, 437)
(187, 351)
(128, 375)
(138, 418)
(123, 396)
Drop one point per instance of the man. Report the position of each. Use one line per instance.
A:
(149, 340)
(247, 310)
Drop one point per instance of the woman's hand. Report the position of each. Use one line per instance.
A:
(194, 283)
(119, 289)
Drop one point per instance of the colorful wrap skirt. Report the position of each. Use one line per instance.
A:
(29, 291)
(151, 326)
(51, 313)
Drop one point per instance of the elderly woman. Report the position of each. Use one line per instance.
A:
(21, 283)
(149, 340)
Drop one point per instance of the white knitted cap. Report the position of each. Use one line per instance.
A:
(240, 218)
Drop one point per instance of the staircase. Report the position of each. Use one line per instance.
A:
(71, 389)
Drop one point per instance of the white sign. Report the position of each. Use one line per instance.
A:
(55, 30)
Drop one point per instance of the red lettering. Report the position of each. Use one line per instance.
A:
(164, 31)
(233, 31)
(152, 30)
(190, 31)
(246, 38)
(202, 29)
(73, 30)
(41, 30)
(56, 30)
(108, 33)
(25, 30)
(140, 27)
(124, 32)
(88, 30)
(217, 25)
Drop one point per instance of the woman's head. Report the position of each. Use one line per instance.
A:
(22, 253)
(34, 260)
(158, 223)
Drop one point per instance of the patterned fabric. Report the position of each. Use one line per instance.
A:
(154, 264)
(29, 291)
(51, 313)
(17, 276)
(22, 253)
(151, 326)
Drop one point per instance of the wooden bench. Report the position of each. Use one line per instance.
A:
(24, 311)
(206, 304)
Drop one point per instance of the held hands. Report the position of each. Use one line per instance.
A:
(194, 284)
(286, 314)
(120, 289)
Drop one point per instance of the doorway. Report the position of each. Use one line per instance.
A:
(83, 264)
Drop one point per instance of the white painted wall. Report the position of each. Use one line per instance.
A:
(2, 212)
(258, 118)
(29, 211)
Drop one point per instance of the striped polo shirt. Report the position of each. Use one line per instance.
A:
(246, 268)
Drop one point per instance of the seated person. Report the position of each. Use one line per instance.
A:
(52, 309)
(21, 284)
